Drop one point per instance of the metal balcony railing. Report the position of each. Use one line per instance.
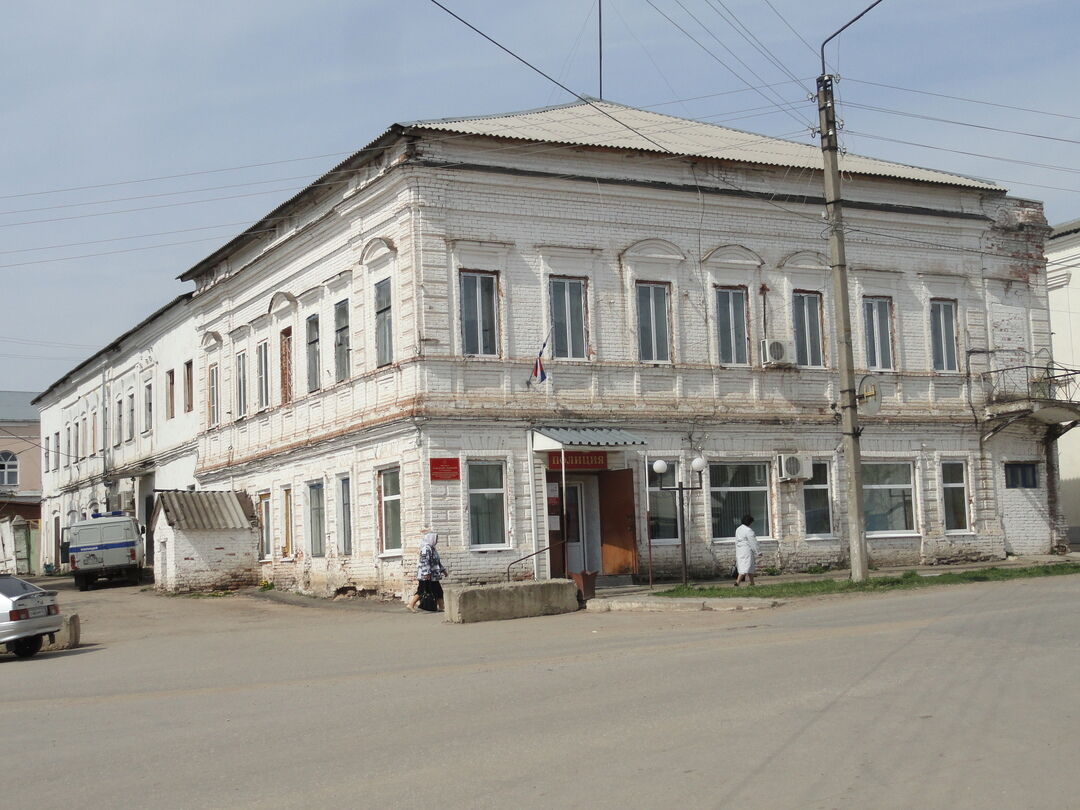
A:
(1048, 382)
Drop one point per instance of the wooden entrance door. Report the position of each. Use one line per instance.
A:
(618, 539)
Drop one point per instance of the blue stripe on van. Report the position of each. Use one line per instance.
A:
(102, 547)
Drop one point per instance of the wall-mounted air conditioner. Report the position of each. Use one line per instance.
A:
(776, 352)
(794, 466)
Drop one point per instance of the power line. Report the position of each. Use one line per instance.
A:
(749, 36)
(25, 342)
(811, 48)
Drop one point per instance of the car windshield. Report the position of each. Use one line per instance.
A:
(13, 586)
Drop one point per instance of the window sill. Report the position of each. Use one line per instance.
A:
(832, 537)
(960, 533)
(731, 540)
(392, 554)
(887, 534)
(485, 549)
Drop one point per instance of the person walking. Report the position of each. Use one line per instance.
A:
(429, 570)
(746, 551)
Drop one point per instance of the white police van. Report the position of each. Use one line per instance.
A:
(108, 546)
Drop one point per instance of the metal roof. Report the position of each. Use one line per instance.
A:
(15, 406)
(605, 124)
(589, 437)
(1065, 229)
(205, 510)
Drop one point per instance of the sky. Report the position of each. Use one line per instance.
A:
(140, 135)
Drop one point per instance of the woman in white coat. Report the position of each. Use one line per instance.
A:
(746, 551)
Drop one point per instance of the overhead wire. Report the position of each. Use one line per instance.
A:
(740, 27)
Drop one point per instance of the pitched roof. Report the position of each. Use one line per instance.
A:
(606, 124)
(1065, 229)
(205, 510)
(15, 406)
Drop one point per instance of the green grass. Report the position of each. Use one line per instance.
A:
(906, 581)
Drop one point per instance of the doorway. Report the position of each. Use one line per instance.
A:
(600, 526)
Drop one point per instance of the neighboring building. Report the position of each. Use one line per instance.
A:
(1063, 279)
(363, 358)
(20, 482)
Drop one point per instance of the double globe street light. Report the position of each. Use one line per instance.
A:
(660, 467)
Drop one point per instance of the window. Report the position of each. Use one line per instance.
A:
(262, 373)
(345, 514)
(943, 335)
(9, 469)
(67, 445)
(1021, 475)
(568, 317)
(877, 322)
(478, 325)
(954, 495)
(663, 506)
(241, 385)
(341, 341)
(737, 490)
(285, 344)
(56, 450)
(888, 497)
(384, 325)
(119, 428)
(817, 501)
(487, 510)
(806, 309)
(731, 325)
(148, 407)
(312, 353)
(286, 522)
(75, 447)
(189, 387)
(84, 437)
(390, 508)
(212, 404)
(45, 455)
(316, 521)
(93, 437)
(266, 547)
(652, 311)
(170, 394)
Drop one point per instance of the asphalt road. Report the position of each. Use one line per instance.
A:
(957, 697)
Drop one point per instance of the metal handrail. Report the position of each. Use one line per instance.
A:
(527, 556)
(1051, 381)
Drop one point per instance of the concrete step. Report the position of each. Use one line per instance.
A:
(614, 580)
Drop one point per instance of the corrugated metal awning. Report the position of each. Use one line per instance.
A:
(556, 438)
(205, 510)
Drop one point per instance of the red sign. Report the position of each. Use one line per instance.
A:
(445, 469)
(577, 460)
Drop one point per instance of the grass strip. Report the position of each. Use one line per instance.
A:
(906, 581)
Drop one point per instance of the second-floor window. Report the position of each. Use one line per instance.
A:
(806, 313)
(9, 469)
(213, 413)
(189, 386)
(170, 394)
(568, 317)
(67, 445)
(479, 327)
(877, 322)
(731, 325)
(384, 324)
(241, 384)
(653, 334)
(285, 344)
(262, 373)
(56, 450)
(312, 353)
(148, 407)
(130, 434)
(118, 428)
(341, 341)
(943, 335)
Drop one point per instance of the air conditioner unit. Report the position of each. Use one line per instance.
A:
(794, 467)
(777, 352)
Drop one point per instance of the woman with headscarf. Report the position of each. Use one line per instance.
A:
(429, 570)
(746, 551)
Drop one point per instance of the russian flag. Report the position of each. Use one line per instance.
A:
(538, 372)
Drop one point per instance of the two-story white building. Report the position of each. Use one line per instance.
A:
(363, 359)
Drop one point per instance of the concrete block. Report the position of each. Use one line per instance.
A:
(510, 600)
(68, 636)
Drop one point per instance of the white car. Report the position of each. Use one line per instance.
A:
(27, 614)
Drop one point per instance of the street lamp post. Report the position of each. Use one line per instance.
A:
(697, 465)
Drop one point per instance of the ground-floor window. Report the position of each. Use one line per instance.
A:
(817, 501)
(888, 495)
(266, 546)
(316, 520)
(345, 515)
(487, 505)
(286, 522)
(390, 508)
(1021, 475)
(737, 490)
(954, 495)
(663, 504)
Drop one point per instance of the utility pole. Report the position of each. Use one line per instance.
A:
(849, 414)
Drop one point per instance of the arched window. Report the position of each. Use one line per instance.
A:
(9, 469)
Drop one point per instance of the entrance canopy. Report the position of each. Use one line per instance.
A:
(559, 438)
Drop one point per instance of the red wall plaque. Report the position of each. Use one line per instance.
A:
(445, 469)
(577, 460)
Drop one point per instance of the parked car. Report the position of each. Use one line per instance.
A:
(27, 614)
(108, 546)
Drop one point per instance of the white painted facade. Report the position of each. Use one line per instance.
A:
(406, 238)
(1063, 277)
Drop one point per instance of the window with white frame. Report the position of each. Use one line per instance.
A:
(118, 428)
(316, 519)
(213, 404)
(93, 437)
(888, 496)
(653, 331)
(266, 543)
(568, 317)
(286, 522)
(737, 489)
(817, 501)
(345, 515)
(806, 313)
(943, 335)
(67, 445)
(312, 353)
(487, 504)
(954, 495)
(877, 323)
(479, 322)
(56, 450)
(384, 324)
(241, 385)
(170, 394)
(262, 373)
(731, 325)
(9, 469)
(130, 434)
(189, 386)
(390, 508)
(341, 341)
(664, 516)
(80, 439)
(148, 407)
(45, 455)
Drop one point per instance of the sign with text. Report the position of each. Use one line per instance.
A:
(445, 469)
(577, 460)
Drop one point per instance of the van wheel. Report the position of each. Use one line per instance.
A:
(26, 647)
(82, 583)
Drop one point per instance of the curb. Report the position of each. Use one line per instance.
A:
(662, 604)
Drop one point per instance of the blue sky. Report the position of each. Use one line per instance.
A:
(101, 93)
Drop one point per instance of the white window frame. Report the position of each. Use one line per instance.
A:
(878, 332)
(383, 500)
(344, 515)
(574, 325)
(911, 485)
(759, 520)
(119, 426)
(383, 322)
(312, 352)
(469, 492)
(56, 451)
(651, 352)
(316, 534)
(827, 488)
(963, 487)
(148, 407)
(737, 319)
(805, 319)
(9, 469)
(266, 526)
(938, 306)
(262, 373)
(342, 351)
(482, 278)
(213, 403)
(240, 385)
(655, 491)
(130, 434)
